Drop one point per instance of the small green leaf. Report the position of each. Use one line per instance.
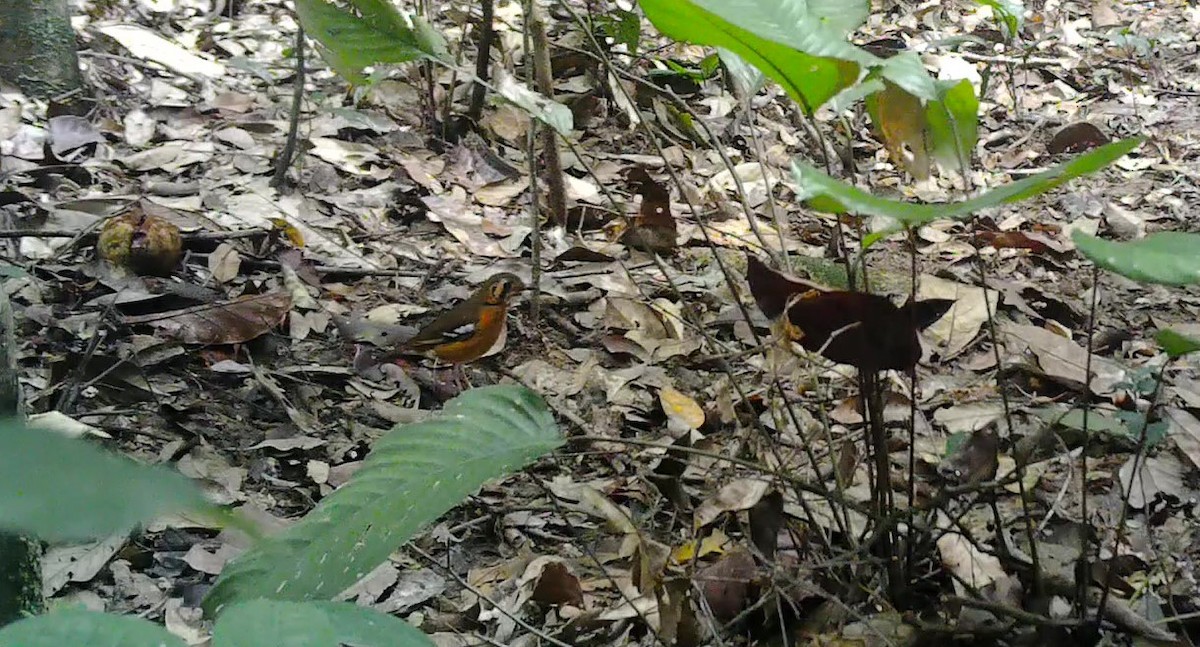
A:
(413, 475)
(255, 623)
(60, 488)
(624, 27)
(1166, 257)
(1176, 344)
(90, 628)
(840, 196)
(1010, 12)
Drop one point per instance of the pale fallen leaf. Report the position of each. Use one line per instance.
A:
(968, 417)
(958, 327)
(1155, 474)
(1185, 431)
(224, 263)
(741, 494)
(144, 43)
(961, 557)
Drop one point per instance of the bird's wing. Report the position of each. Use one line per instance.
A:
(458, 324)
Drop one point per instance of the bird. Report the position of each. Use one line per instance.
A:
(467, 331)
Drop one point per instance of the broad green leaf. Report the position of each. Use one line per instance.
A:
(362, 33)
(66, 489)
(255, 623)
(953, 123)
(551, 113)
(90, 628)
(1166, 257)
(413, 475)
(828, 194)
(809, 79)
(1176, 344)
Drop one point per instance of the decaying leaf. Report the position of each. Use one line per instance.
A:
(727, 584)
(229, 322)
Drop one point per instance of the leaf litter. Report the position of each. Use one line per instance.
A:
(266, 404)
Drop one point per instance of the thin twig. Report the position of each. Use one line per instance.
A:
(284, 161)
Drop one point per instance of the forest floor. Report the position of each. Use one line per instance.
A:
(397, 225)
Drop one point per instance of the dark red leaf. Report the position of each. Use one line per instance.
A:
(772, 289)
(557, 585)
(1012, 240)
(864, 330)
(727, 584)
(1076, 138)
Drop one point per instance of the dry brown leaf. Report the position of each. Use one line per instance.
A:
(1062, 358)
(727, 584)
(553, 582)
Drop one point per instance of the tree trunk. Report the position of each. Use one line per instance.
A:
(39, 47)
(20, 557)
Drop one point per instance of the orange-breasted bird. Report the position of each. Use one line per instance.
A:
(467, 331)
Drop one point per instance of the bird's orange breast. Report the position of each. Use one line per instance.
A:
(487, 331)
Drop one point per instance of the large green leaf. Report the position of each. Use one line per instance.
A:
(60, 488)
(825, 193)
(362, 33)
(770, 33)
(1166, 257)
(90, 628)
(809, 79)
(413, 475)
(1176, 344)
(255, 623)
